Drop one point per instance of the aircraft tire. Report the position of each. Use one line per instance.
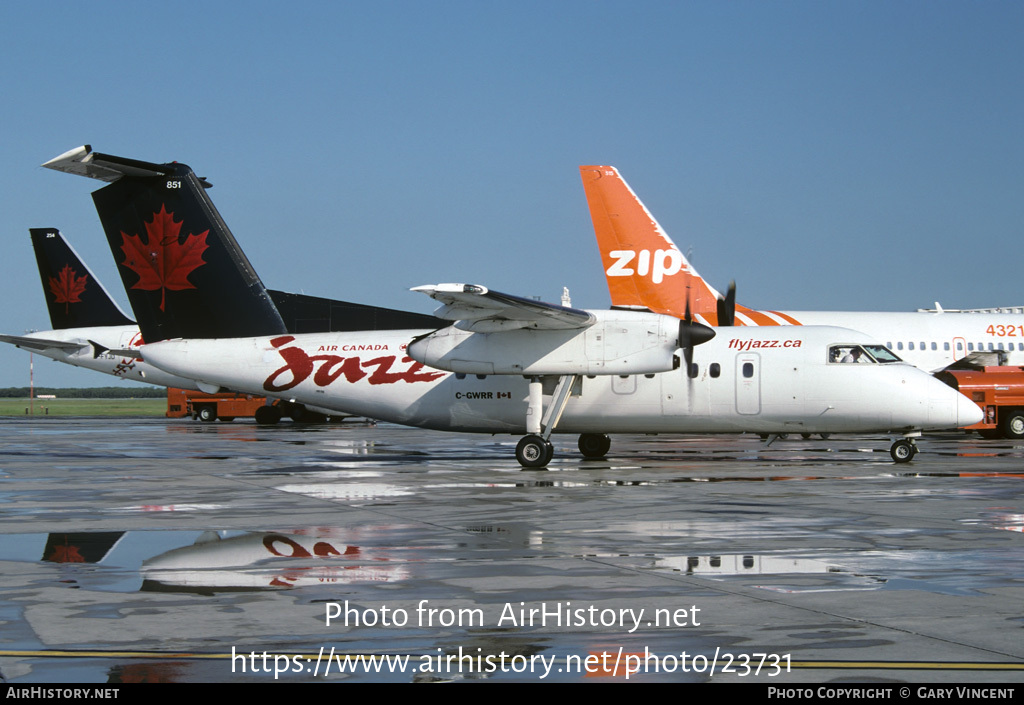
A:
(1012, 425)
(207, 414)
(267, 415)
(534, 452)
(902, 451)
(594, 445)
(226, 419)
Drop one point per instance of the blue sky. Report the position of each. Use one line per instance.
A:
(840, 155)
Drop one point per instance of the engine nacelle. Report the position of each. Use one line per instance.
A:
(618, 343)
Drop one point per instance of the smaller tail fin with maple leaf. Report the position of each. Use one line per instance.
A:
(74, 297)
(185, 274)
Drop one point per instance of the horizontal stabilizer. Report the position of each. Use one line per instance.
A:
(85, 162)
(97, 350)
(43, 344)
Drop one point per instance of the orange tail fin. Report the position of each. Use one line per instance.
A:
(643, 267)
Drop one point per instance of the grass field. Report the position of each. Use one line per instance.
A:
(84, 407)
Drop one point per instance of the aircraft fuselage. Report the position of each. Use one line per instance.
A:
(747, 379)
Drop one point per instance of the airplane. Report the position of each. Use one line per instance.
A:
(646, 271)
(206, 316)
(89, 329)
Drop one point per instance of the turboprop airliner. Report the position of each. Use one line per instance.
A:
(646, 271)
(506, 365)
(89, 329)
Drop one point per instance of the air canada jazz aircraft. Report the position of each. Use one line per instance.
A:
(89, 328)
(646, 271)
(206, 316)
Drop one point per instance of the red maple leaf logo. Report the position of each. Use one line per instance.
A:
(163, 262)
(66, 554)
(67, 286)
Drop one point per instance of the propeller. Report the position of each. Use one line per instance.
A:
(691, 334)
(727, 307)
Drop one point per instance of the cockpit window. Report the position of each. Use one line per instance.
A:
(882, 354)
(849, 354)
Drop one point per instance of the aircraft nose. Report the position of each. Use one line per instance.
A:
(967, 412)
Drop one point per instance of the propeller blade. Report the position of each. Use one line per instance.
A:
(727, 307)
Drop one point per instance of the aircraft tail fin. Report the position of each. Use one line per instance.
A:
(185, 274)
(74, 296)
(642, 265)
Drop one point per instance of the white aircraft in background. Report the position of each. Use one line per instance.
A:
(646, 271)
(207, 317)
(89, 329)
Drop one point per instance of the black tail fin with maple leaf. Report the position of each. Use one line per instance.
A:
(185, 274)
(74, 297)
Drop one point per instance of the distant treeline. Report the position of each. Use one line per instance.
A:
(123, 392)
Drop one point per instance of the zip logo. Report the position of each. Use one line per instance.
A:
(660, 264)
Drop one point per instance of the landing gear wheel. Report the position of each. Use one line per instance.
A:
(534, 452)
(267, 415)
(825, 436)
(903, 451)
(226, 419)
(594, 445)
(805, 436)
(1012, 425)
(301, 414)
(207, 414)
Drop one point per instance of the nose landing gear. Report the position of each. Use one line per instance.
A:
(903, 450)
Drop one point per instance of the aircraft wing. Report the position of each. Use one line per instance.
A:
(477, 309)
(44, 343)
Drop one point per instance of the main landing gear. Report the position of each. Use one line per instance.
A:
(535, 450)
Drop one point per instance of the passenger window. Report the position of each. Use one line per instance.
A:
(910, 346)
(899, 346)
(923, 346)
(748, 369)
(945, 346)
(934, 346)
(959, 347)
(970, 347)
(694, 370)
(714, 370)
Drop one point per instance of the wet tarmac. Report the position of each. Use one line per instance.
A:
(153, 550)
